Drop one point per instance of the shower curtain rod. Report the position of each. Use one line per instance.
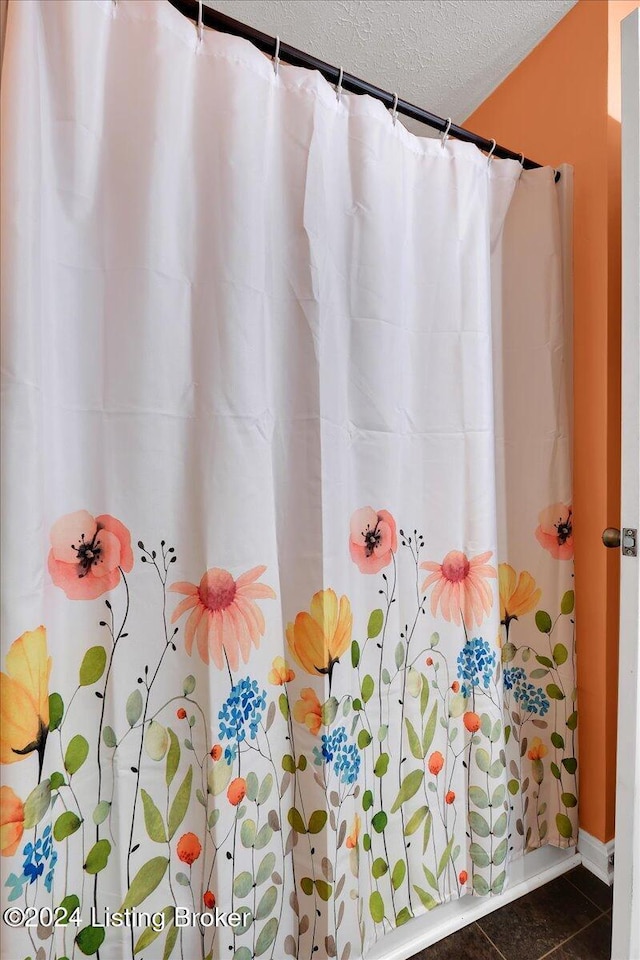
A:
(224, 24)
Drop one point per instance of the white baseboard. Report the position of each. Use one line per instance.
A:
(525, 874)
(597, 856)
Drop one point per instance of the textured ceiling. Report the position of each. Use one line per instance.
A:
(444, 55)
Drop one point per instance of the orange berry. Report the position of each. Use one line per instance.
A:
(181, 713)
(471, 722)
(209, 900)
(236, 791)
(450, 797)
(435, 763)
(429, 661)
(188, 848)
(216, 752)
(463, 876)
(455, 686)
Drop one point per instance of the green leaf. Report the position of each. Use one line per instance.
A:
(180, 803)
(560, 654)
(555, 770)
(283, 703)
(317, 821)
(364, 739)
(170, 942)
(414, 740)
(557, 741)
(457, 704)
(76, 754)
(101, 812)
(426, 899)
(109, 737)
(295, 819)
(398, 874)
(379, 867)
(263, 836)
(252, 783)
(496, 768)
(539, 673)
(148, 935)
(567, 603)
(329, 711)
(66, 824)
(563, 823)
(478, 797)
(545, 661)
(267, 785)
(479, 855)
(508, 652)
(543, 621)
(513, 787)
(483, 759)
(367, 800)
(56, 710)
(307, 885)
(367, 688)
(381, 765)
(145, 881)
(408, 788)
(134, 707)
(500, 825)
(572, 721)
(501, 851)
(498, 883)
(67, 906)
(485, 725)
(173, 757)
(570, 764)
(156, 741)
(403, 916)
(37, 804)
(376, 907)
(267, 903)
(424, 696)
(288, 763)
(478, 824)
(188, 685)
(554, 691)
(243, 884)
(399, 654)
(568, 799)
(92, 666)
(431, 880)
(376, 622)
(265, 869)
(379, 821)
(498, 795)
(97, 857)
(153, 819)
(89, 940)
(355, 654)
(56, 780)
(444, 859)
(480, 885)
(429, 730)
(415, 820)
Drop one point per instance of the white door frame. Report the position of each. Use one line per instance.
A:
(626, 891)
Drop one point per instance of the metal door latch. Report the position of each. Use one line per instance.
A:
(629, 542)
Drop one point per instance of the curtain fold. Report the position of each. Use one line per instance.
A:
(287, 529)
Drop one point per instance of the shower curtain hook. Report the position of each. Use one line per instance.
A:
(276, 57)
(339, 87)
(200, 22)
(445, 133)
(490, 154)
(394, 111)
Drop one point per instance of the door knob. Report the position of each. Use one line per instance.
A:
(611, 537)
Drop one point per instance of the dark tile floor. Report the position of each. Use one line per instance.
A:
(567, 919)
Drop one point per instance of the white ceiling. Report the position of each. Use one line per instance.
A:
(444, 55)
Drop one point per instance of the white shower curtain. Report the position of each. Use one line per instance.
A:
(287, 529)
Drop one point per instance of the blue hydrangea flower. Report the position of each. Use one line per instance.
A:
(476, 662)
(241, 714)
(344, 756)
(38, 857)
(513, 676)
(531, 699)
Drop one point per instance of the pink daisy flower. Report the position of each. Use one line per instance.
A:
(460, 588)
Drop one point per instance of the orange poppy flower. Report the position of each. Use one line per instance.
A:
(236, 791)
(280, 672)
(318, 639)
(461, 588)
(88, 554)
(188, 848)
(537, 750)
(24, 698)
(372, 539)
(224, 620)
(435, 763)
(308, 710)
(352, 839)
(471, 721)
(11, 821)
(555, 530)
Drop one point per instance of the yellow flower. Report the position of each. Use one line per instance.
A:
(280, 672)
(538, 749)
(24, 698)
(318, 639)
(308, 710)
(518, 594)
(11, 821)
(352, 839)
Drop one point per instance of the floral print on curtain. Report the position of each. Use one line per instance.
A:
(368, 776)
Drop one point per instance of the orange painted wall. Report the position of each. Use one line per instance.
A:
(562, 105)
